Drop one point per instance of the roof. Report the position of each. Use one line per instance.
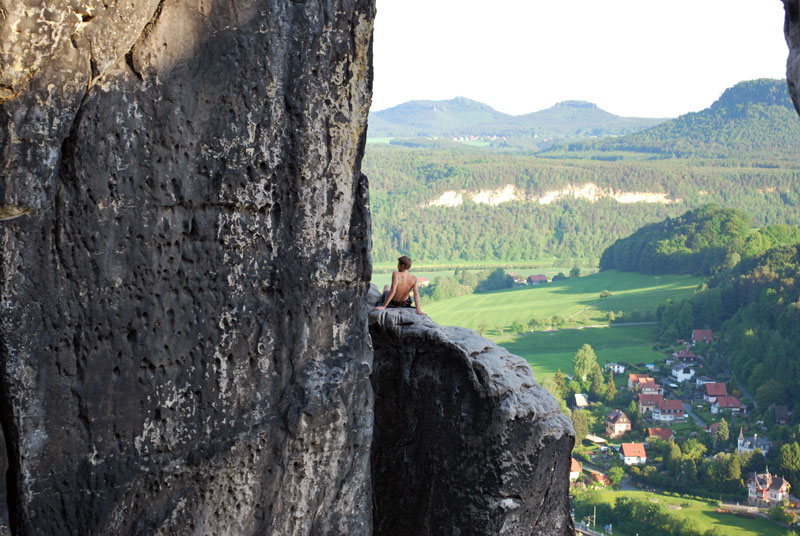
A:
(664, 433)
(682, 367)
(653, 386)
(617, 416)
(595, 439)
(781, 413)
(635, 378)
(537, 278)
(704, 335)
(670, 405)
(728, 402)
(715, 389)
(630, 450)
(650, 400)
(575, 466)
(581, 400)
(684, 354)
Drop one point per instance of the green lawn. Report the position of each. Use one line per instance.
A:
(548, 351)
(577, 300)
(704, 515)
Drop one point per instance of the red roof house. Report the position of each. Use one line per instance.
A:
(537, 279)
(649, 402)
(633, 453)
(726, 402)
(664, 433)
(668, 410)
(701, 335)
(711, 391)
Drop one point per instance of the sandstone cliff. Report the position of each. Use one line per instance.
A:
(183, 255)
(466, 441)
(792, 31)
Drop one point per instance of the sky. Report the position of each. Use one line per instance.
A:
(634, 58)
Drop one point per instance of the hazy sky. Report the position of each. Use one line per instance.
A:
(631, 57)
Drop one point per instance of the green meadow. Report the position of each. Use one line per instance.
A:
(578, 301)
(702, 515)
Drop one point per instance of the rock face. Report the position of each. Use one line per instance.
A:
(184, 238)
(792, 31)
(466, 442)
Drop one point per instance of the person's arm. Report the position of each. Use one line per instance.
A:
(416, 297)
(391, 292)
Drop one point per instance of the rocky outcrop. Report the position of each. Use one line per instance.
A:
(466, 441)
(184, 238)
(792, 31)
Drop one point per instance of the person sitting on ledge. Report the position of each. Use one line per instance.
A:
(402, 285)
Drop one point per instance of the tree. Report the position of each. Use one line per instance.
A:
(723, 433)
(598, 385)
(616, 474)
(516, 327)
(575, 272)
(605, 294)
(611, 388)
(583, 362)
(560, 381)
(483, 328)
(582, 420)
(634, 415)
(499, 329)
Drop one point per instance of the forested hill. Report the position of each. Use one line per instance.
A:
(461, 117)
(755, 118)
(703, 241)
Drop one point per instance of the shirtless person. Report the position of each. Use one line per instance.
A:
(402, 285)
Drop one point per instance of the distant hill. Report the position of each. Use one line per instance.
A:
(464, 117)
(755, 117)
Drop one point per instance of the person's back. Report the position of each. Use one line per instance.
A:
(403, 283)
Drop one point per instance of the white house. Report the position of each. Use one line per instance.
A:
(616, 368)
(763, 489)
(633, 453)
(668, 410)
(682, 372)
(750, 444)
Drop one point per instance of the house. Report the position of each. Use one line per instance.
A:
(726, 402)
(617, 423)
(574, 470)
(700, 381)
(650, 388)
(648, 403)
(581, 401)
(537, 279)
(616, 368)
(712, 428)
(664, 433)
(633, 453)
(714, 390)
(686, 356)
(763, 489)
(701, 335)
(599, 478)
(634, 380)
(682, 372)
(750, 444)
(668, 410)
(781, 414)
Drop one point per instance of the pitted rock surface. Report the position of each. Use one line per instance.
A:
(466, 441)
(792, 31)
(184, 238)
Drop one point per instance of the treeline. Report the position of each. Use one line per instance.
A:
(404, 181)
(465, 282)
(703, 241)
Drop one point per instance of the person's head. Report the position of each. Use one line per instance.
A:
(404, 263)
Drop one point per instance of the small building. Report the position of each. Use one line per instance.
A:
(633, 453)
(599, 478)
(750, 444)
(686, 356)
(668, 411)
(663, 433)
(700, 381)
(726, 402)
(616, 368)
(635, 380)
(423, 281)
(648, 403)
(763, 489)
(597, 440)
(617, 423)
(581, 401)
(781, 414)
(702, 335)
(651, 388)
(575, 469)
(682, 372)
(537, 279)
(714, 390)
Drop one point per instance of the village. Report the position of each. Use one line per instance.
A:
(673, 427)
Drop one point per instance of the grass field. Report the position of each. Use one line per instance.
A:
(703, 515)
(578, 301)
(549, 351)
